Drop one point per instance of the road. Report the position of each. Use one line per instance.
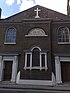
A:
(3, 90)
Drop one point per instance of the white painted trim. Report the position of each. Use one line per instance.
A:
(36, 35)
(65, 59)
(58, 60)
(1, 68)
(8, 58)
(9, 43)
(31, 61)
(25, 60)
(35, 47)
(18, 77)
(36, 82)
(46, 61)
(40, 62)
(53, 79)
(14, 69)
(58, 70)
(35, 67)
(62, 43)
(14, 66)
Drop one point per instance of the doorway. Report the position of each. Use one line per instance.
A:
(65, 71)
(7, 72)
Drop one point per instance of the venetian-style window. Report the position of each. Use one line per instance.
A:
(10, 36)
(35, 59)
(63, 35)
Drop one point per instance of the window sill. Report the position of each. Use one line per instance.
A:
(36, 35)
(38, 68)
(63, 43)
(9, 43)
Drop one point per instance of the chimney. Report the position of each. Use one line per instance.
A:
(0, 12)
(68, 7)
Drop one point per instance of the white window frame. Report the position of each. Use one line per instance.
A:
(35, 67)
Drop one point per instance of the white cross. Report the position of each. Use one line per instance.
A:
(37, 12)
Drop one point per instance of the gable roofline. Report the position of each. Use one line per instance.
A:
(21, 12)
(33, 7)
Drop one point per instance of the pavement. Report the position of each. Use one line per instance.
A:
(63, 87)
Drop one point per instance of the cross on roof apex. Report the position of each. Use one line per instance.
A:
(37, 13)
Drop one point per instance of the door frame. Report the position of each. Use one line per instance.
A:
(58, 60)
(5, 69)
(14, 59)
(65, 69)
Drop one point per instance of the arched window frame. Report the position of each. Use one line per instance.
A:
(30, 66)
(36, 32)
(63, 36)
(9, 39)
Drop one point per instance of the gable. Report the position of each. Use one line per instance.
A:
(43, 12)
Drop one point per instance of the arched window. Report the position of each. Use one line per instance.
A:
(35, 59)
(36, 32)
(63, 35)
(10, 36)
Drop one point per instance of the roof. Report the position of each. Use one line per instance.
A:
(44, 13)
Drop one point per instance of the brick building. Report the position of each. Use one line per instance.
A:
(35, 47)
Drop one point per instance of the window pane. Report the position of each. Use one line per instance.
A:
(28, 60)
(36, 57)
(63, 34)
(10, 35)
(43, 60)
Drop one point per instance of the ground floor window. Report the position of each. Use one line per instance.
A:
(35, 59)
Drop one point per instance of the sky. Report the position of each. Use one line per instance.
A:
(11, 7)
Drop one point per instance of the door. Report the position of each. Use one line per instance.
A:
(7, 70)
(65, 71)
